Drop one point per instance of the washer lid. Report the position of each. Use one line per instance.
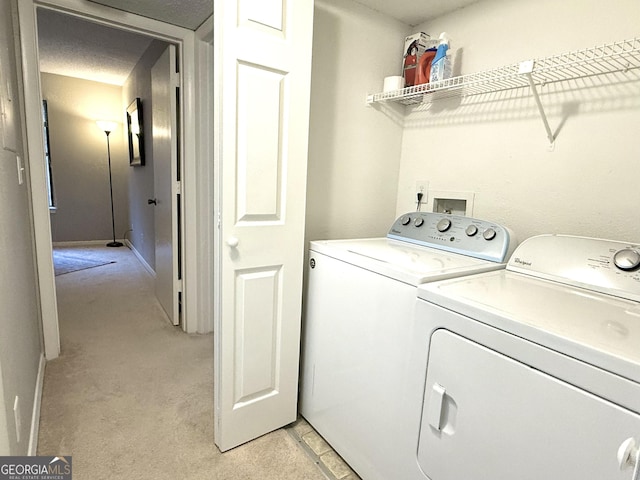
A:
(596, 328)
(403, 261)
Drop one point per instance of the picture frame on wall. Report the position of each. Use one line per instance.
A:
(135, 133)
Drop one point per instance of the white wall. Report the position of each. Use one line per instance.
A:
(20, 340)
(79, 158)
(495, 145)
(353, 150)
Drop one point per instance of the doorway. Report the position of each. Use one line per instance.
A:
(92, 73)
(184, 39)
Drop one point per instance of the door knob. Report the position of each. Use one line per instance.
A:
(152, 201)
(233, 241)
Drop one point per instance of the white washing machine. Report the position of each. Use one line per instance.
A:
(359, 375)
(533, 372)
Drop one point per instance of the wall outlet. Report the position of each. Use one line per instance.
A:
(421, 188)
(17, 417)
(20, 166)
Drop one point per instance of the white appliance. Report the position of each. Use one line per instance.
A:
(359, 376)
(533, 372)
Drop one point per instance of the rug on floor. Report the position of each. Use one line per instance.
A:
(65, 263)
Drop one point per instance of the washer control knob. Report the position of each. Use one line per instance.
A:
(627, 259)
(471, 230)
(444, 225)
(405, 220)
(489, 234)
(418, 222)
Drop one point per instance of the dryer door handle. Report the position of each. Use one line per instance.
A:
(436, 404)
(629, 456)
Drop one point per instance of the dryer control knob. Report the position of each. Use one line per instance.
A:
(627, 259)
(444, 225)
(489, 234)
(418, 221)
(471, 230)
(405, 220)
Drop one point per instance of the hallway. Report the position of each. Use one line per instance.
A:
(132, 396)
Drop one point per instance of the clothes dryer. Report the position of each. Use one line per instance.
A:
(534, 371)
(359, 375)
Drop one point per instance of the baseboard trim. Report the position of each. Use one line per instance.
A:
(81, 243)
(37, 403)
(141, 259)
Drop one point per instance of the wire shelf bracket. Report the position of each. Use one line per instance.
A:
(526, 68)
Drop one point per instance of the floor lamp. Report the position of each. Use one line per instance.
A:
(107, 128)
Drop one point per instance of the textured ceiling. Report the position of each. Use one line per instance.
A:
(79, 48)
(192, 13)
(184, 13)
(415, 12)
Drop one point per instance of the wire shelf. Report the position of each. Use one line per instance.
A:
(605, 59)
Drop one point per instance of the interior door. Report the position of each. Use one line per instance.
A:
(164, 82)
(263, 84)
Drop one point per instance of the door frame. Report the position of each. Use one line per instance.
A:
(206, 187)
(185, 41)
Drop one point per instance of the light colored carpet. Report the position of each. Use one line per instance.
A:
(131, 397)
(67, 260)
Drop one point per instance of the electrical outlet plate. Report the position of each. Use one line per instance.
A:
(17, 417)
(20, 167)
(422, 187)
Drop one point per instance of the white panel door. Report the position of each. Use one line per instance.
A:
(164, 81)
(263, 84)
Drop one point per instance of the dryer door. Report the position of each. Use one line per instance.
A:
(489, 417)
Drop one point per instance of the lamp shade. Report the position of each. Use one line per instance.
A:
(107, 126)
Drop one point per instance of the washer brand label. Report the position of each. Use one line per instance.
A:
(519, 261)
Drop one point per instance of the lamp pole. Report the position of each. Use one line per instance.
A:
(107, 130)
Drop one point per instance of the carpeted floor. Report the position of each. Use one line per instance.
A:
(131, 397)
(68, 260)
